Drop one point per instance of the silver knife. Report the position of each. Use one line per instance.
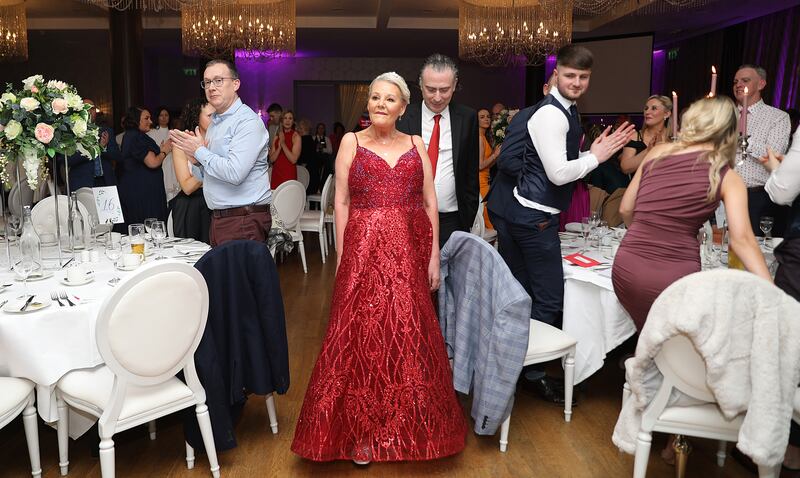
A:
(27, 303)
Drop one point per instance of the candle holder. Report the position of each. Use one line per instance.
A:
(674, 139)
(744, 144)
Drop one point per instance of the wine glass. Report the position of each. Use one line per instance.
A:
(24, 268)
(158, 231)
(148, 224)
(765, 224)
(585, 228)
(113, 252)
(602, 231)
(14, 224)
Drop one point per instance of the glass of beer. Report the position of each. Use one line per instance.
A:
(136, 236)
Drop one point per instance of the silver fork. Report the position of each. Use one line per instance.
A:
(63, 295)
(54, 296)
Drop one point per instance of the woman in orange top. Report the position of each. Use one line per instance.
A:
(487, 157)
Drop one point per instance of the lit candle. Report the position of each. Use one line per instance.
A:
(713, 81)
(743, 114)
(674, 114)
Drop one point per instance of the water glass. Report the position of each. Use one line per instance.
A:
(148, 224)
(158, 231)
(136, 236)
(113, 250)
(24, 268)
(765, 224)
(585, 229)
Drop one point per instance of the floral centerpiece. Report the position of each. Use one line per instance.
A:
(500, 124)
(43, 119)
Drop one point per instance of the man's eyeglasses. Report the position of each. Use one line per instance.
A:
(205, 84)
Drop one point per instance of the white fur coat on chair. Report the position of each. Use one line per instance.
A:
(748, 333)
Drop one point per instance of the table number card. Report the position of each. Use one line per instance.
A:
(108, 205)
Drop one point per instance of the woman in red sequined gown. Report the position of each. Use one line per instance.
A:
(382, 388)
(285, 151)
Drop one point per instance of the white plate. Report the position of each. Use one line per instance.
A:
(33, 278)
(88, 278)
(38, 303)
(573, 227)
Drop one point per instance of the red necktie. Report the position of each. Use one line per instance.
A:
(433, 144)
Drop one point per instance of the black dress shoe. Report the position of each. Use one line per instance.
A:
(547, 389)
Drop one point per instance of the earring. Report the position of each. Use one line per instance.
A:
(400, 118)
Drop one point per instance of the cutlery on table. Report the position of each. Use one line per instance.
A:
(54, 296)
(3, 303)
(63, 295)
(27, 303)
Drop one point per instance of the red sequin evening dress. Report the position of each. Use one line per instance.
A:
(382, 388)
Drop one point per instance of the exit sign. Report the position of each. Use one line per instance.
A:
(190, 71)
(673, 54)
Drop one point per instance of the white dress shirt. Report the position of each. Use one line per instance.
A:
(548, 128)
(445, 180)
(767, 126)
(783, 185)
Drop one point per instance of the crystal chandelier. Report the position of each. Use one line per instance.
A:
(596, 7)
(154, 5)
(261, 29)
(512, 32)
(13, 31)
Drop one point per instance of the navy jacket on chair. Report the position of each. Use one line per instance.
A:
(244, 348)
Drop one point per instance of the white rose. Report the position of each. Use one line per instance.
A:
(79, 127)
(501, 133)
(59, 85)
(7, 98)
(31, 164)
(13, 129)
(29, 81)
(84, 152)
(74, 101)
(29, 104)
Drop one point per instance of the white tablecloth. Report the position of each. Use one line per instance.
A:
(592, 312)
(44, 345)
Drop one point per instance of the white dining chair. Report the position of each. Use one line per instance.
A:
(479, 226)
(147, 331)
(303, 176)
(170, 225)
(684, 370)
(314, 221)
(17, 396)
(43, 215)
(289, 199)
(20, 193)
(546, 343)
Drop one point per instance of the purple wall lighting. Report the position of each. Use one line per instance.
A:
(659, 71)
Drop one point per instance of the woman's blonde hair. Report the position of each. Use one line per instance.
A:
(666, 102)
(396, 80)
(709, 120)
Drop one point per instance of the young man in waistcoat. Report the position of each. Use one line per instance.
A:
(537, 169)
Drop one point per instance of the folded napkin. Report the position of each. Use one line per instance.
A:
(192, 248)
(581, 260)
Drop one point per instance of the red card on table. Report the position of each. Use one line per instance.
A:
(581, 260)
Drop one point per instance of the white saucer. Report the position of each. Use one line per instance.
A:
(33, 278)
(88, 278)
(38, 303)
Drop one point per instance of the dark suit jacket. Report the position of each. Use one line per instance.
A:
(464, 127)
(81, 168)
(244, 347)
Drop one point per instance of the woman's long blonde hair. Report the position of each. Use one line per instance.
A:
(709, 120)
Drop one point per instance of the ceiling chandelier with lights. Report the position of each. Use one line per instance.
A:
(13, 31)
(512, 32)
(261, 29)
(154, 5)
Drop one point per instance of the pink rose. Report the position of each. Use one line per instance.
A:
(34, 89)
(44, 133)
(2, 127)
(59, 106)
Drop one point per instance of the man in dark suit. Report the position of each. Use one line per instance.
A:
(97, 172)
(450, 133)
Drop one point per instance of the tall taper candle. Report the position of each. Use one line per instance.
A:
(743, 114)
(713, 81)
(674, 114)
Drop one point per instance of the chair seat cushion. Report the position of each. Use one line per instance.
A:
(707, 416)
(12, 392)
(546, 339)
(309, 223)
(314, 197)
(93, 388)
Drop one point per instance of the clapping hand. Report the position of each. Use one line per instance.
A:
(607, 144)
(186, 141)
(771, 160)
(104, 139)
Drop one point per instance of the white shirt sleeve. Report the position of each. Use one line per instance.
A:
(548, 129)
(783, 185)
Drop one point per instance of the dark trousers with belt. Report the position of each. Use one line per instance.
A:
(246, 222)
(532, 250)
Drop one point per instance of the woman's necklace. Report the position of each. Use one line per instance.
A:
(382, 144)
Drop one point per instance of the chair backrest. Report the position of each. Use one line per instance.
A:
(170, 225)
(303, 176)
(43, 214)
(150, 327)
(326, 198)
(290, 200)
(22, 191)
(684, 368)
(86, 197)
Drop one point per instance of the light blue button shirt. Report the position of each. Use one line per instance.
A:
(233, 167)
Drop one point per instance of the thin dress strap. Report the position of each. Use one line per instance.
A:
(356, 135)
